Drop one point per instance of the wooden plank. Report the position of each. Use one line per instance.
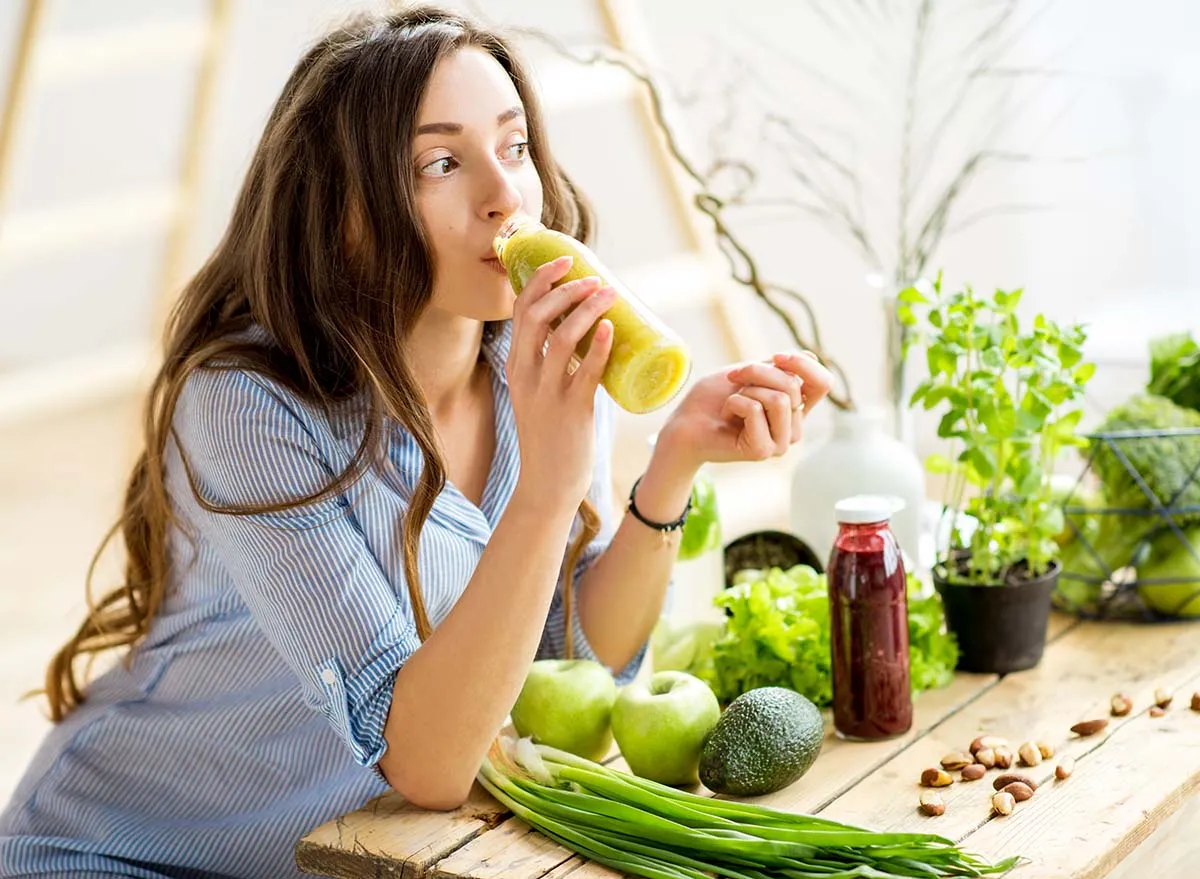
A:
(1075, 681)
(1123, 788)
(512, 851)
(388, 836)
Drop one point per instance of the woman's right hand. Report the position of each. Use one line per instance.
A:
(554, 408)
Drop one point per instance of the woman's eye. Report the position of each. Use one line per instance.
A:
(517, 151)
(439, 167)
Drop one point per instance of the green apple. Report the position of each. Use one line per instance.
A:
(567, 704)
(661, 727)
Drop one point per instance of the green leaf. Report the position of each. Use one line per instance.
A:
(912, 296)
(939, 465)
(980, 459)
(1083, 373)
(993, 358)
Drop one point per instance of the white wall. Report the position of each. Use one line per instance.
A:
(1121, 228)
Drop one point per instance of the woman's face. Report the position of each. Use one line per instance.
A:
(473, 170)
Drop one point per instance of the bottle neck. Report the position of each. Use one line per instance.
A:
(512, 227)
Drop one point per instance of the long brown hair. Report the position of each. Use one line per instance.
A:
(335, 153)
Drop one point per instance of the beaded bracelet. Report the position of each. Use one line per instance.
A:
(665, 528)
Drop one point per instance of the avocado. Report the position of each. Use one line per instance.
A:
(765, 740)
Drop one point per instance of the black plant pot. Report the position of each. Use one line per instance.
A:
(1000, 627)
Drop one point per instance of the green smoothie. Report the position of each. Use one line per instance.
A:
(649, 362)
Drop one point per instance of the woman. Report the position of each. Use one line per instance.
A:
(363, 465)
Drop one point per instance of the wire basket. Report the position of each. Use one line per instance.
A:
(1139, 559)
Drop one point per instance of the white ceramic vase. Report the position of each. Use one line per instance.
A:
(860, 457)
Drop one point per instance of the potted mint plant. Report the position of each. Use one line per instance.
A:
(1010, 403)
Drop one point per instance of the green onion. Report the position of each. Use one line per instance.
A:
(647, 829)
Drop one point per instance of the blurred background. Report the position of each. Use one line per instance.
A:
(853, 146)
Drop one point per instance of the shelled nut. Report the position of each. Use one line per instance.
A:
(1090, 727)
(974, 772)
(986, 757)
(987, 741)
(1046, 750)
(1121, 705)
(1157, 711)
(1020, 792)
(1004, 758)
(957, 760)
(1064, 768)
(932, 803)
(1196, 701)
(1001, 781)
(936, 778)
(1162, 698)
(1003, 803)
(1030, 754)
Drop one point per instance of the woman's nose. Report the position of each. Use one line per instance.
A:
(503, 198)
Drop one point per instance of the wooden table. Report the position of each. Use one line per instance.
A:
(1127, 780)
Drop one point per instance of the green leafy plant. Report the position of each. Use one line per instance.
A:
(777, 634)
(1011, 403)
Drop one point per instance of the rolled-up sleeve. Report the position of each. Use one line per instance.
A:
(306, 574)
(601, 495)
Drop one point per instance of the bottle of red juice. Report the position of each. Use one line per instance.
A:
(868, 605)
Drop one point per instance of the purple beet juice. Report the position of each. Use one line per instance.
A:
(868, 604)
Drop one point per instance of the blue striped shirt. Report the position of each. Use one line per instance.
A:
(254, 709)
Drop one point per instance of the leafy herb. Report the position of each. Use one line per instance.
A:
(1011, 403)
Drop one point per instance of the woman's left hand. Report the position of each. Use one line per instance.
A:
(749, 412)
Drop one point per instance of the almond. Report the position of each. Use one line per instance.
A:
(1162, 698)
(986, 757)
(974, 772)
(1020, 792)
(1003, 803)
(1121, 705)
(936, 778)
(932, 803)
(1002, 781)
(1030, 754)
(1090, 727)
(957, 760)
(1064, 768)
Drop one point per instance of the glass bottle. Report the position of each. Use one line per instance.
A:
(649, 363)
(868, 606)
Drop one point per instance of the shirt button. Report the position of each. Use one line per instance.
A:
(329, 677)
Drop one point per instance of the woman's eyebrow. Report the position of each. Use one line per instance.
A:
(455, 128)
